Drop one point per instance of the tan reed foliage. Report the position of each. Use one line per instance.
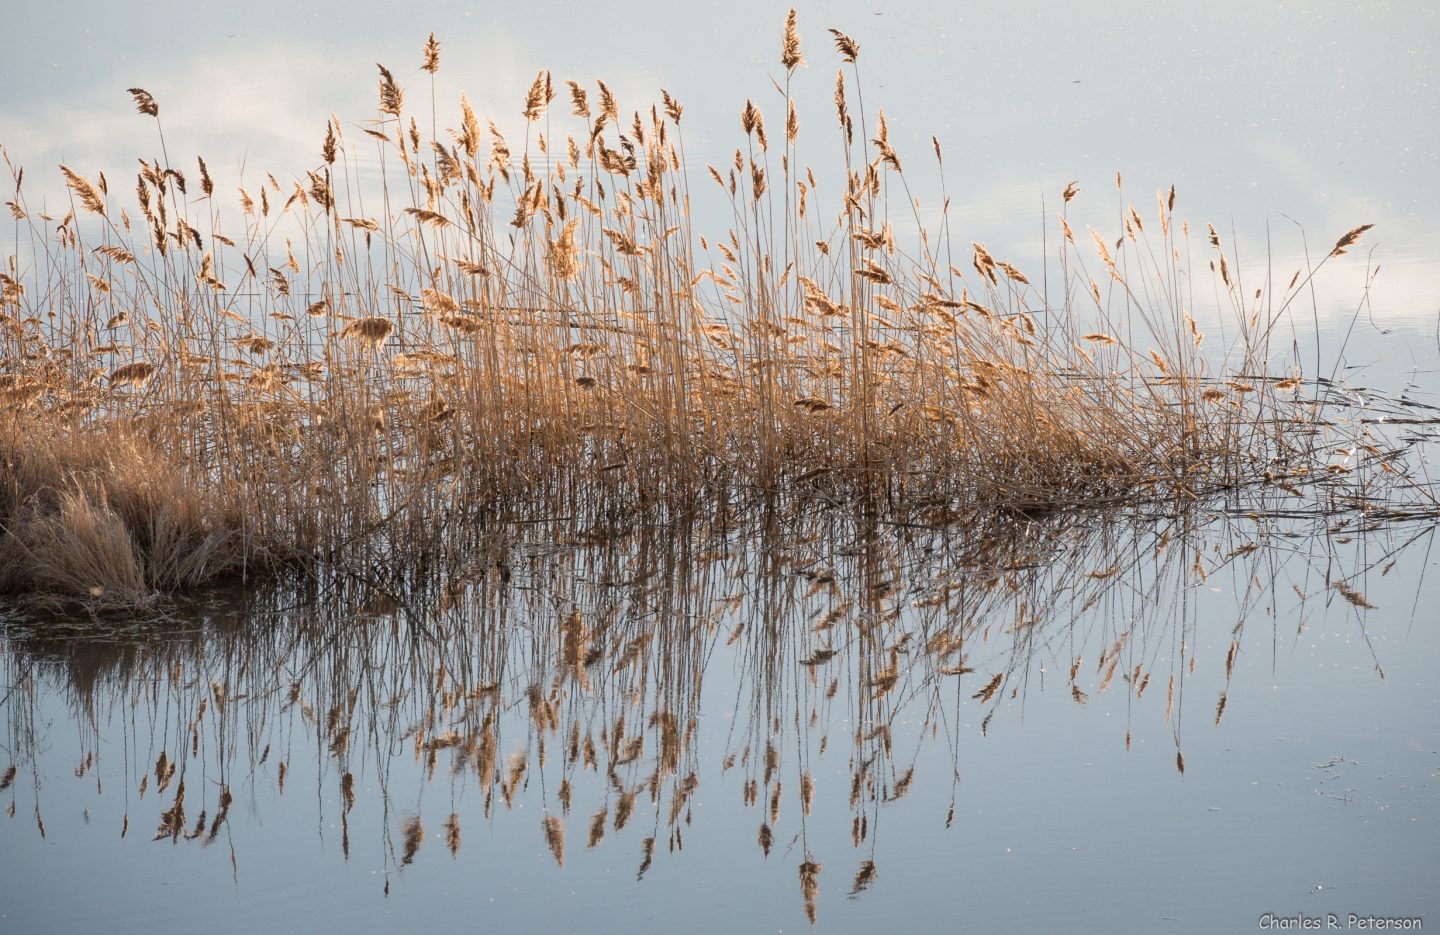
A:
(550, 332)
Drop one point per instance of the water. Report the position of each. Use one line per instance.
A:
(1054, 803)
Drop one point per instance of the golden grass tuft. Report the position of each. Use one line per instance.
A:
(106, 521)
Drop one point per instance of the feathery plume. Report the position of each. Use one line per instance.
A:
(539, 96)
(432, 55)
(790, 46)
(144, 103)
(849, 48)
(1349, 239)
(392, 98)
(85, 190)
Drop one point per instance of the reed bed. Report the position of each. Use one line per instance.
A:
(420, 334)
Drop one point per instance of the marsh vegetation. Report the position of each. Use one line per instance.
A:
(557, 503)
(348, 371)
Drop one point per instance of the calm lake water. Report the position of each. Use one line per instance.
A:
(1080, 722)
(724, 733)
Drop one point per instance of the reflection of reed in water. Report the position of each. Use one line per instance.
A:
(570, 678)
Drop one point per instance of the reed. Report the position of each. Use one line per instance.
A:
(340, 371)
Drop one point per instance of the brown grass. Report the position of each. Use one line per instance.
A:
(102, 518)
(290, 381)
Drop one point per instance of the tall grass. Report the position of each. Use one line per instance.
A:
(346, 367)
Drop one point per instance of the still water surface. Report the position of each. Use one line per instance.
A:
(718, 731)
(771, 725)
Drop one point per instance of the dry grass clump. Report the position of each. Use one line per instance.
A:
(103, 520)
(548, 331)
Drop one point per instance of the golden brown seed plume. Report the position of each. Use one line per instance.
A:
(327, 150)
(539, 96)
(370, 331)
(790, 46)
(608, 105)
(849, 48)
(136, 374)
(85, 190)
(433, 218)
(563, 253)
(841, 110)
(144, 103)
(1102, 249)
(1349, 239)
(580, 106)
(673, 108)
(392, 98)
(432, 55)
